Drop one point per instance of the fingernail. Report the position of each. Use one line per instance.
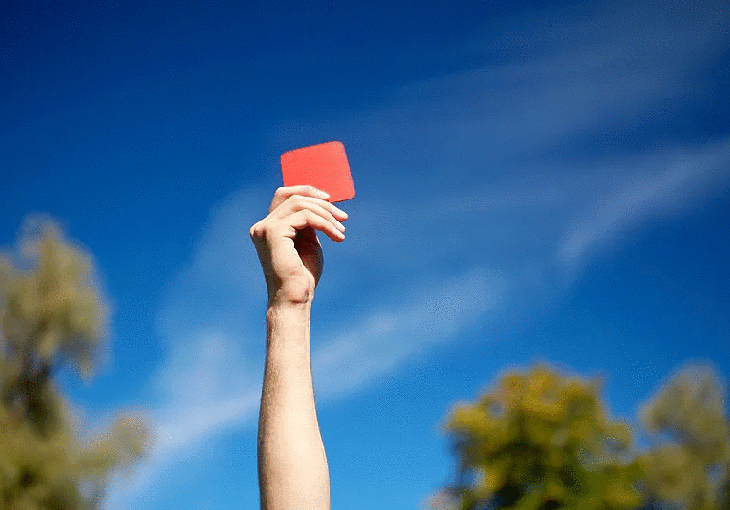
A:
(322, 194)
(340, 226)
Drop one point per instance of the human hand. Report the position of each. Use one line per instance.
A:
(287, 245)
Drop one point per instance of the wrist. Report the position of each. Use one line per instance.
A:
(278, 307)
(291, 297)
(287, 326)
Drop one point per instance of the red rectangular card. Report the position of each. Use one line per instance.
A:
(323, 166)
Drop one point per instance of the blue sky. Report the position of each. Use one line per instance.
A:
(539, 181)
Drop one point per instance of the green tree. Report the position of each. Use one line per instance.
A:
(52, 314)
(542, 440)
(688, 466)
(539, 440)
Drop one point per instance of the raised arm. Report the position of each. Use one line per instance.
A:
(292, 464)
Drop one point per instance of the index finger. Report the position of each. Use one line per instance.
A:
(283, 193)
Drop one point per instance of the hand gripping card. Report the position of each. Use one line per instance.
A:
(323, 166)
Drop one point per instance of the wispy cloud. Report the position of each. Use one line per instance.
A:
(383, 339)
(661, 186)
(478, 210)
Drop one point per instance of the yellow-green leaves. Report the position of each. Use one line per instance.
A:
(547, 435)
(54, 305)
(540, 440)
(690, 410)
(52, 312)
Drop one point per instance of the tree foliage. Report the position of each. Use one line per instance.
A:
(52, 314)
(542, 440)
(690, 412)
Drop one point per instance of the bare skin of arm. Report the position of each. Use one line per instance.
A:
(292, 464)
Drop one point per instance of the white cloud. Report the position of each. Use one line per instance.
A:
(376, 344)
(664, 185)
(548, 78)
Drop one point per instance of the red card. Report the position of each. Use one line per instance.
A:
(323, 166)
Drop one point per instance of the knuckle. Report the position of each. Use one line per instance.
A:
(299, 200)
(254, 230)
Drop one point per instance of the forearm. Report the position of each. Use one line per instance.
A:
(293, 471)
